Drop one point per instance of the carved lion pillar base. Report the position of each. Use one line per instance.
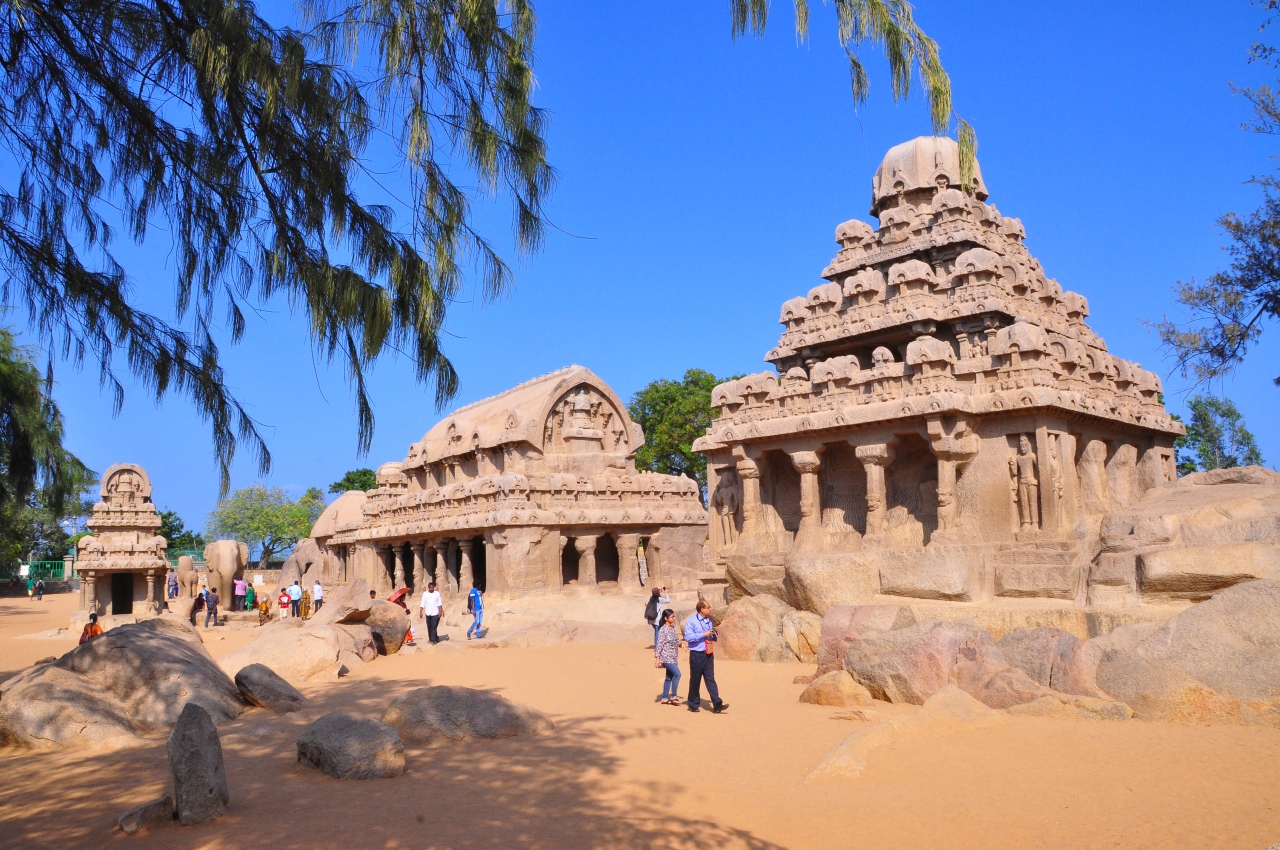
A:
(586, 546)
(809, 536)
(875, 459)
(755, 537)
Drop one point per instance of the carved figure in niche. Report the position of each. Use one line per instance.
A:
(1092, 471)
(1026, 483)
(124, 488)
(1055, 476)
(881, 357)
(726, 502)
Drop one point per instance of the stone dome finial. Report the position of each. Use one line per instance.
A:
(927, 162)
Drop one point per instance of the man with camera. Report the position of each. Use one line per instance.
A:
(700, 634)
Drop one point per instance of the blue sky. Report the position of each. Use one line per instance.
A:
(701, 181)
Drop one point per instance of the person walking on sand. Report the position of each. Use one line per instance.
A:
(317, 597)
(700, 634)
(285, 603)
(666, 648)
(295, 598)
(475, 605)
(653, 611)
(39, 590)
(211, 601)
(31, 589)
(429, 610)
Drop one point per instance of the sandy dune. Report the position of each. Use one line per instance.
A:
(624, 772)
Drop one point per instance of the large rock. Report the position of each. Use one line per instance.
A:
(446, 713)
(1039, 652)
(836, 688)
(1078, 672)
(159, 810)
(262, 687)
(129, 682)
(348, 746)
(911, 664)
(296, 567)
(357, 639)
(297, 654)
(349, 604)
(195, 758)
(389, 624)
(764, 628)
(844, 624)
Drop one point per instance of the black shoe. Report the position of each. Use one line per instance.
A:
(694, 709)
(721, 708)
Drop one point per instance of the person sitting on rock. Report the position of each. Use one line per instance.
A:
(91, 629)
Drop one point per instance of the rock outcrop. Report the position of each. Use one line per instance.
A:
(389, 624)
(131, 681)
(445, 713)
(844, 624)
(349, 604)
(261, 686)
(837, 688)
(195, 758)
(763, 628)
(159, 810)
(348, 746)
(298, 651)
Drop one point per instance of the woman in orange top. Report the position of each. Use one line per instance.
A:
(91, 629)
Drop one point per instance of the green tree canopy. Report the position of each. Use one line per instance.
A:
(174, 530)
(672, 415)
(355, 479)
(1216, 437)
(266, 518)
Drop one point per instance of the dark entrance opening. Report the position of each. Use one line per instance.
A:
(569, 563)
(606, 558)
(479, 562)
(122, 593)
(642, 561)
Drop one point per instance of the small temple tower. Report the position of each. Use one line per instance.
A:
(122, 565)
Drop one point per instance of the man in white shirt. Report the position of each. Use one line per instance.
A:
(429, 610)
(317, 596)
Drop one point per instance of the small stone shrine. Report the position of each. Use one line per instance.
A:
(940, 423)
(122, 565)
(531, 491)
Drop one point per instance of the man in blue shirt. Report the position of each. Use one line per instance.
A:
(295, 599)
(475, 604)
(700, 634)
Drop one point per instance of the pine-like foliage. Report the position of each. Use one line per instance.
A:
(242, 141)
(1216, 437)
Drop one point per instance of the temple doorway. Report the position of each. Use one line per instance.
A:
(606, 558)
(479, 563)
(569, 563)
(122, 593)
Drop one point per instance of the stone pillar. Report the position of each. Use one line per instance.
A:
(444, 581)
(419, 566)
(150, 603)
(1048, 486)
(809, 534)
(586, 546)
(90, 592)
(397, 577)
(628, 562)
(755, 536)
(875, 460)
(464, 566)
(946, 492)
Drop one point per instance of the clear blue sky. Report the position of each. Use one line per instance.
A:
(703, 181)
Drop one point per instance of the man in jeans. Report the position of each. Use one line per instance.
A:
(211, 601)
(429, 610)
(475, 605)
(700, 634)
(295, 599)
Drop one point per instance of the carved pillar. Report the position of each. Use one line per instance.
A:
(586, 546)
(875, 459)
(628, 563)
(397, 577)
(954, 445)
(444, 579)
(1048, 485)
(150, 603)
(90, 592)
(809, 534)
(465, 576)
(754, 534)
(419, 566)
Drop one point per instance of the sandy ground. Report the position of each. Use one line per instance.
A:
(624, 772)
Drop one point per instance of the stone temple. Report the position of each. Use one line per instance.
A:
(528, 492)
(941, 423)
(122, 565)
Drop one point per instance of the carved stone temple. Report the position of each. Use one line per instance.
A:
(941, 423)
(122, 565)
(527, 492)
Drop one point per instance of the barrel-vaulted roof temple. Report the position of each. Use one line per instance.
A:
(942, 423)
(527, 492)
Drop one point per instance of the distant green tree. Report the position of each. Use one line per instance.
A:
(1216, 437)
(672, 415)
(266, 518)
(355, 479)
(173, 529)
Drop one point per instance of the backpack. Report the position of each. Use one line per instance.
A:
(651, 609)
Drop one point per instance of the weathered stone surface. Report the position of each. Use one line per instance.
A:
(348, 746)
(156, 811)
(911, 664)
(763, 628)
(262, 687)
(349, 604)
(356, 639)
(1078, 673)
(130, 681)
(1039, 652)
(844, 624)
(1009, 687)
(836, 688)
(195, 758)
(297, 566)
(445, 713)
(389, 624)
(296, 654)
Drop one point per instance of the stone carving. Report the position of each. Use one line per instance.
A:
(475, 498)
(122, 564)
(993, 429)
(726, 502)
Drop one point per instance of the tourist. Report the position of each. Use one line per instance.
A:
(700, 634)
(31, 588)
(250, 596)
(317, 596)
(171, 584)
(305, 605)
(295, 598)
(652, 611)
(91, 629)
(211, 601)
(666, 648)
(285, 603)
(40, 590)
(429, 610)
(475, 605)
(239, 587)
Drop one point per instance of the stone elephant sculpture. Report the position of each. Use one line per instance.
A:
(226, 560)
(188, 578)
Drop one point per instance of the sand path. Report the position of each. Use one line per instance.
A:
(624, 772)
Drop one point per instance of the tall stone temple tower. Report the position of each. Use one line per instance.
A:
(941, 422)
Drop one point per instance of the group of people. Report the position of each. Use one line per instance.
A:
(431, 604)
(296, 602)
(35, 589)
(699, 635)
